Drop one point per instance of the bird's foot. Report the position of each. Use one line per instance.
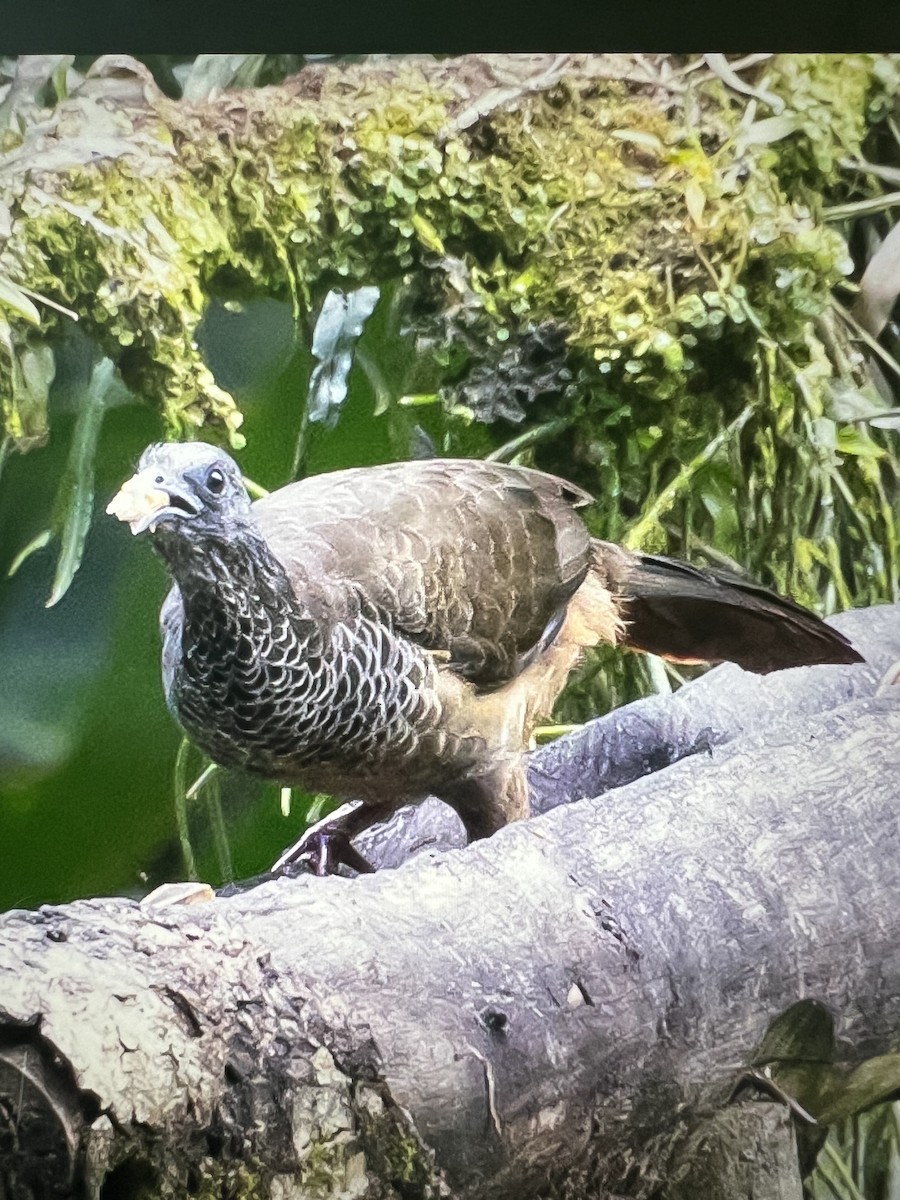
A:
(324, 847)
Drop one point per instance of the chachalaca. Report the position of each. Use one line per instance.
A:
(388, 632)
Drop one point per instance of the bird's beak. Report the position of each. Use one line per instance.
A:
(142, 502)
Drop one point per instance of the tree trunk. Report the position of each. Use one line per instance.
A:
(564, 1009)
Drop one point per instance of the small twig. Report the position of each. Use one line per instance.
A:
(491, 1085)
(37, 543)
(256, 490)
(300, 444)
(530, 438)
(742, 64)
(710, 269)
(682, 480)
(502, 97)
(673, 673)
(207, 773)
(549, 733)
(727, 72)
(656, 669)
(219, 832)
(181, 819)
(839, 212)
(20, 1099)
(719, 557)
(608, 73)
(887, 359)
(767, 1084)
(888, 174)
(750, 60)
(67, 312)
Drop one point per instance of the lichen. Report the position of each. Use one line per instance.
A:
(590, 207)
(230, 1180)
(395, 1155)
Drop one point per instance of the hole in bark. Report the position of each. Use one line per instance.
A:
(585, 995)
(132, 1179)
(494, 1020)
(215, 1143)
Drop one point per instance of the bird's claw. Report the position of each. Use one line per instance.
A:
(323, 848)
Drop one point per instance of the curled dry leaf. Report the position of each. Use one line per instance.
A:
(880, 285)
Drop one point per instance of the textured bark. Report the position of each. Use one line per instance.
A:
(563, 1009)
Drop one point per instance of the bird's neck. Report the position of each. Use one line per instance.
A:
(226, 575)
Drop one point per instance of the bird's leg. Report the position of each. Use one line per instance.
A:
(488, 802)
(328, 843)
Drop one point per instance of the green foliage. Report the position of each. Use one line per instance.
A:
(847, 1130)
(860, 1159)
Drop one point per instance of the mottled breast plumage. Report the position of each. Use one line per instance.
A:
(262, 687)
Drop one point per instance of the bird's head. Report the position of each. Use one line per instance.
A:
(182, 487)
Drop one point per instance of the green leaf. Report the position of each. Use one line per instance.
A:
(338, 329)
(427, 234)
(33, 371)
(803, 1031)
(797, 1054)
(872, 1082)
(75, 497)
(13, 298)
(210, 73)
(858, 443)
(60, 76)
(848, 403)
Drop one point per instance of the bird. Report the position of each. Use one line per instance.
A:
(385, 633)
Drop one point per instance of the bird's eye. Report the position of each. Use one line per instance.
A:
(215, 481)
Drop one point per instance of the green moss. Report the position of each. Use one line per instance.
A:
(581, 213)
(829, 98)
(394, 1154)
(231, 1181)
(323, 1168)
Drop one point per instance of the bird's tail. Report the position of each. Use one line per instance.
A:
(691, 615)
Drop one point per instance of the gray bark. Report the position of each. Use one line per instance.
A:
(563, 1009)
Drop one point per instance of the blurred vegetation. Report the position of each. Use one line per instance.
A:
(671, 279)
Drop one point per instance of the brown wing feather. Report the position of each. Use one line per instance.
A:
(475, 558)
(702, 615)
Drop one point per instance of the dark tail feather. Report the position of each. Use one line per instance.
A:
(683, 613)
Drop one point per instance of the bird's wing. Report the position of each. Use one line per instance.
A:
(475, 559)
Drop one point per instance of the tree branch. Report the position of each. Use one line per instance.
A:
(563, 1000)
